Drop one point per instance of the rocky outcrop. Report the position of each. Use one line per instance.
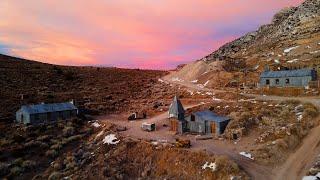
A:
(286, 24)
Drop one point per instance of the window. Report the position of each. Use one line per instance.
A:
(287, 81)
(267, 82)
(277, 81)
(192, 118)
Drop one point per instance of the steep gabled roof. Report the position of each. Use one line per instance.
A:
(210, 116)
(176, 106)
(287, 73)
(44, 108)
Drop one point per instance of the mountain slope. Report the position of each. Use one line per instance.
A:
(96, 89)
(292, 39)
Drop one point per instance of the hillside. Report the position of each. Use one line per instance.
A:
(291, 40)
(96, 90)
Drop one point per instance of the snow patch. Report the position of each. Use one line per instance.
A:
(209, 93)
(292, 61)
(177, 79)
(290, 49)
(204, 73)
(299, 117)
(110, 139)
(96, 124)
(247, 155)
(160, 80)
(277, 61)
(191, 92)
(216, 99)
(194, 81)
(212, 166)
(205, 84)
(315, 52)
(309, 178)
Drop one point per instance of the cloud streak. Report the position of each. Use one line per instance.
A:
(124, 33)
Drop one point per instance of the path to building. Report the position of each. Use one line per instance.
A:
(297, 163)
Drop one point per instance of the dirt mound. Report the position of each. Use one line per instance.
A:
(195, 70)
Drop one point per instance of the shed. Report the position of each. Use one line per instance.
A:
(206, 122)
(176, 115)
(45, 113)
(288, 78)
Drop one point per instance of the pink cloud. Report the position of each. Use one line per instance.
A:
(124, 33)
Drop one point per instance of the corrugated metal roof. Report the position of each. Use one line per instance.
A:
(176, 107)
(287, 73)
(210, 116)
(44, 108)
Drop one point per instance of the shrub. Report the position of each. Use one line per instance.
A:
(57, 166)
(70, 76)
(16, 171)
(55, 176)
(57, 70)
(68, 131)
(18, 162)
(291, 102)
(57, 146)
(4, 142)
(52, 153)
(73, 138)
(32, 143)
(312, 112)
(4, 169)
(28, 164)
(43, 138)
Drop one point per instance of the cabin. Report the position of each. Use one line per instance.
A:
(202, 122)
(45, 113)
(288, 78)
(206, 122)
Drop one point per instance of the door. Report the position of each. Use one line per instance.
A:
(213, 128)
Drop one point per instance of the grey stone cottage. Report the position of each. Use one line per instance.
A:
(45, 113)
(202, 122)
(288, 78)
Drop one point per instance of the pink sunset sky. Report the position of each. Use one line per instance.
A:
(152, 34)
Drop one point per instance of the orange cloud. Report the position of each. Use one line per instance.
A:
(125, 33)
